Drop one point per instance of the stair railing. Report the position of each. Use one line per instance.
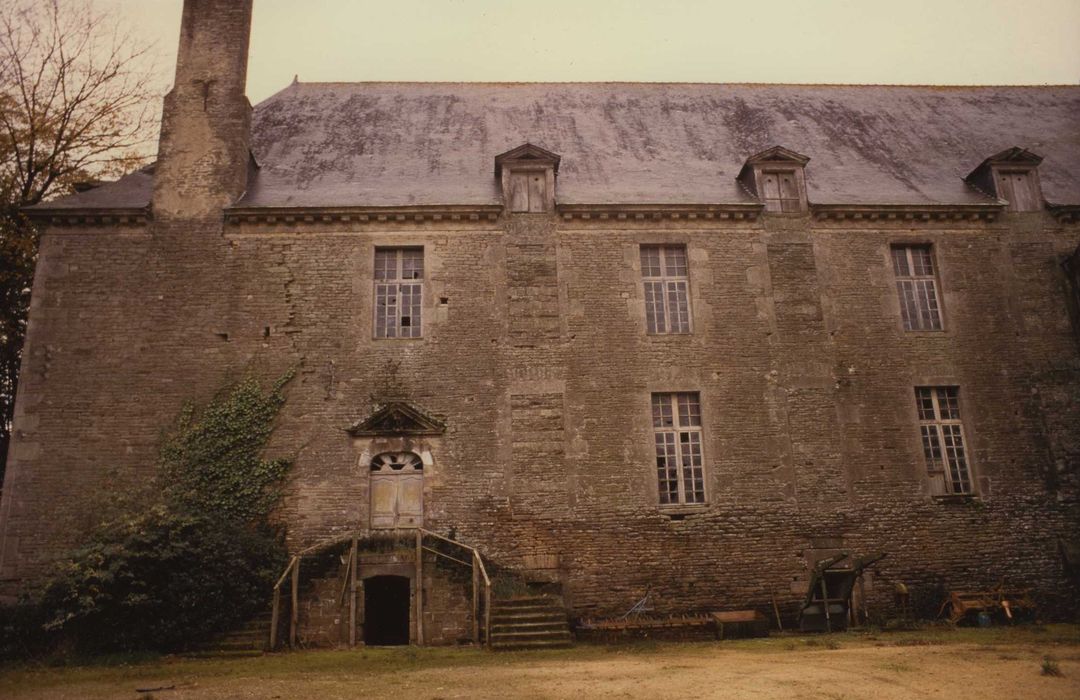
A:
(478, 570)
(292, 572)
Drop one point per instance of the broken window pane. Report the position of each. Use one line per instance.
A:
(942, 434)
(397, 302)
(680, 472)
(916, 285)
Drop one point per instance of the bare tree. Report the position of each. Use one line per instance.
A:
(77, 102)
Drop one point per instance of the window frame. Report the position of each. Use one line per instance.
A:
(934, 278)
(398, 282)
(665, 280)
(697, 472)
(942, 465)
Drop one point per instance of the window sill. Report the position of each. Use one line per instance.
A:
(683, 510)
(956, 497)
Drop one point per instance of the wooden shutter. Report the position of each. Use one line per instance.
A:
(770, 191)
(384, 488)
(537, 191)
(410, 499)
(519, 192)
(789, 192)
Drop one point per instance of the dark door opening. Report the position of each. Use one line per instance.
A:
(386, 610)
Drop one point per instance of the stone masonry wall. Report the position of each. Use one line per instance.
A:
(535, 354)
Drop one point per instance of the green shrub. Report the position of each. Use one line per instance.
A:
(178, 563)
(165, 580)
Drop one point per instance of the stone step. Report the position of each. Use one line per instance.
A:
(549, 626)
(527, 636)
(531, 645)
(521, 609)
(532, 601)
(528, 616)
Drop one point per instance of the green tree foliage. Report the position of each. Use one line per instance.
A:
(188, 557)
(76, 105)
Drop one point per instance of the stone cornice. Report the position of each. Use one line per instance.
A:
(907, 213)
(742, 212)
(362, 215)
(652, 212)
(89, 217)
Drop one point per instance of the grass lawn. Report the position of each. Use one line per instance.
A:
(982, 664)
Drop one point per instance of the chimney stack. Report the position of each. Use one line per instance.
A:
(203, 154)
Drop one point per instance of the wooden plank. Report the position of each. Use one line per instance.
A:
(419, 588)
(295, 612)
(487, 612)
(825, 604)
(475, 602)
(274, 616)
(352, 592)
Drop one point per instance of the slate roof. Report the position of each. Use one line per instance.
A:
(400, 144)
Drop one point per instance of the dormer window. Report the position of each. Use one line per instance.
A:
(527, 175)
(1011, 176)
(776, 178)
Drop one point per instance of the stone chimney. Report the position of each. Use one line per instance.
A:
(203, 154)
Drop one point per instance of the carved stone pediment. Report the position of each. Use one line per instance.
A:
(397, 418)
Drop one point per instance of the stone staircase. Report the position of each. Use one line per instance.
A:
(250, 640)
(529, 622)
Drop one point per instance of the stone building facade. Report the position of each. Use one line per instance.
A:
(683, 339)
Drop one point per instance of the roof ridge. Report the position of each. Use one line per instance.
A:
(495, 83)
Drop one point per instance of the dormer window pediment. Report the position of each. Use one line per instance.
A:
(1011, 176)
(527, 175)
(775, 176)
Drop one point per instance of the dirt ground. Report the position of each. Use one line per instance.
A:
(977, 664)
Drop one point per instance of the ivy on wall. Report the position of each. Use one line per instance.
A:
(170, 567)
(213, 461)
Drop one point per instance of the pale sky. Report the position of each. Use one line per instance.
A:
(1005, 42)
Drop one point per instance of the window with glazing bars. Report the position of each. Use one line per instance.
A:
(677, 428)
(943, 436)
(667, 288)
(916, 283)
(399, 274)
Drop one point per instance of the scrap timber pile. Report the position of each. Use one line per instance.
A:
(1008, 603)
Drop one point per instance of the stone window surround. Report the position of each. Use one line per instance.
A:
(980, 482)
(416, 329)
(934, 278)
(368, 448)
(664, 279)
(683, 508)
(940, 276)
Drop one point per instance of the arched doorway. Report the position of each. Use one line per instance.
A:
(386, 610)
(397, 490)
